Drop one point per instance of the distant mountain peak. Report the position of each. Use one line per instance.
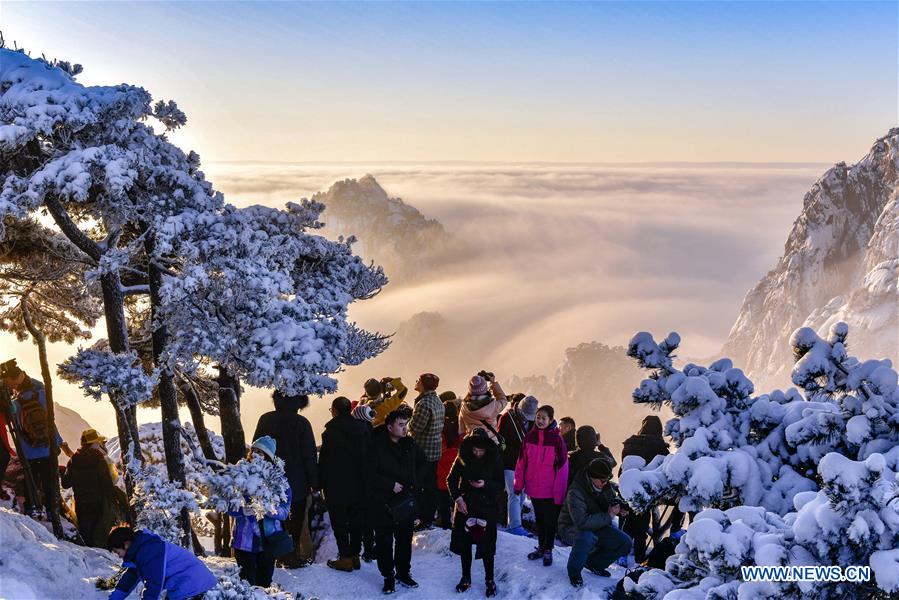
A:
(846, 228)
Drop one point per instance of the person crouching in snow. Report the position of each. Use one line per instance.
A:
(586, 522)
(253, 541)
(542, 471)
(475, 482)
(161, 565)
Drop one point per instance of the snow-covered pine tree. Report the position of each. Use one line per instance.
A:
(833, 453)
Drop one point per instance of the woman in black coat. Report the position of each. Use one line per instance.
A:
(475, 482)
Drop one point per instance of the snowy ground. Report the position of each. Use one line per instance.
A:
(34, 565)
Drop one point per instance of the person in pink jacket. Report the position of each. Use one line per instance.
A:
(542, 472)
(482, 406)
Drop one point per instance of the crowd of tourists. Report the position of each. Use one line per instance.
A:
(391, 464)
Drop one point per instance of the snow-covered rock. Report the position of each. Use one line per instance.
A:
(388, 231)
(839, 264)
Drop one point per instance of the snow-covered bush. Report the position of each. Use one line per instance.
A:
(785, 479)
(256, 485)
(158, 502)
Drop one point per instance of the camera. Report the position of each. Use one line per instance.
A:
(487, 375)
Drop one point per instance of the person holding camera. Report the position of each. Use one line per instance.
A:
(483, 405)
(29, 409)
(586, 522)
(383, 396)
(395, 469)
(474, 482)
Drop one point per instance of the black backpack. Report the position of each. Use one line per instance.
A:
(633, 575)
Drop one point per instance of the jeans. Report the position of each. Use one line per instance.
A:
(546, 511)
(597, 549)
(428, 497)
(347, 522)
(515, 502)
(394, 561)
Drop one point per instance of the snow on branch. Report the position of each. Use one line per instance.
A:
(101, 372)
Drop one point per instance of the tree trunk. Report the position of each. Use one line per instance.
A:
(229, 413)
(196, 416)
(41, 342)
(116, 328)
(168, 396)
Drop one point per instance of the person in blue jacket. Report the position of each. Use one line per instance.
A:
(248, 537)
(161, 565)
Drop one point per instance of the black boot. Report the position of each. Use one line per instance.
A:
(406, 580)
(491, 588)
(389, 585)
(463, 584)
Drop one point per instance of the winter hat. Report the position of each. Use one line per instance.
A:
(586, 437)
(363, 412)
(477, 386)
(373, 388)
(429, 381)
(266, 445)
(90, 436)
(476, 529)
(599, 468)
(528, 408)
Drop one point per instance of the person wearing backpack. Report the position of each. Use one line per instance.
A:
(514, 424)
(30, 415)
(91, 481)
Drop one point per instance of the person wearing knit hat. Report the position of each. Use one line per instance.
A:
(483, 404)
(256, 565)
(266, 445)
(365, 414)
(587, 522)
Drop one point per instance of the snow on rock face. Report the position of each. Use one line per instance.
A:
(37, 565)
(838, 265)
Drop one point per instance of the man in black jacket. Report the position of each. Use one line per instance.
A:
(513, 426)
(296, 447)
(395, 469)
(588, 448)
(586, 522)
(341, 468)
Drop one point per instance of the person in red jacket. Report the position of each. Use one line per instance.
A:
(451, 441)
(542, 472)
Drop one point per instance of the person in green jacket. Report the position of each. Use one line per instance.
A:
(586, 522)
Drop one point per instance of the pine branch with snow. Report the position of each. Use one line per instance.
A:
(101, 372)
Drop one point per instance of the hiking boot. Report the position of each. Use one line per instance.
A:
(464, 584)
(599, 572)
(389, 585)
(344, 563)
(536, 554)
(407, 580)
(357, 564)
(548, 558)
(490, 592)
(576, 581)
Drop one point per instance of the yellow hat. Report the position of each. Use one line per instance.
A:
(90, 436)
